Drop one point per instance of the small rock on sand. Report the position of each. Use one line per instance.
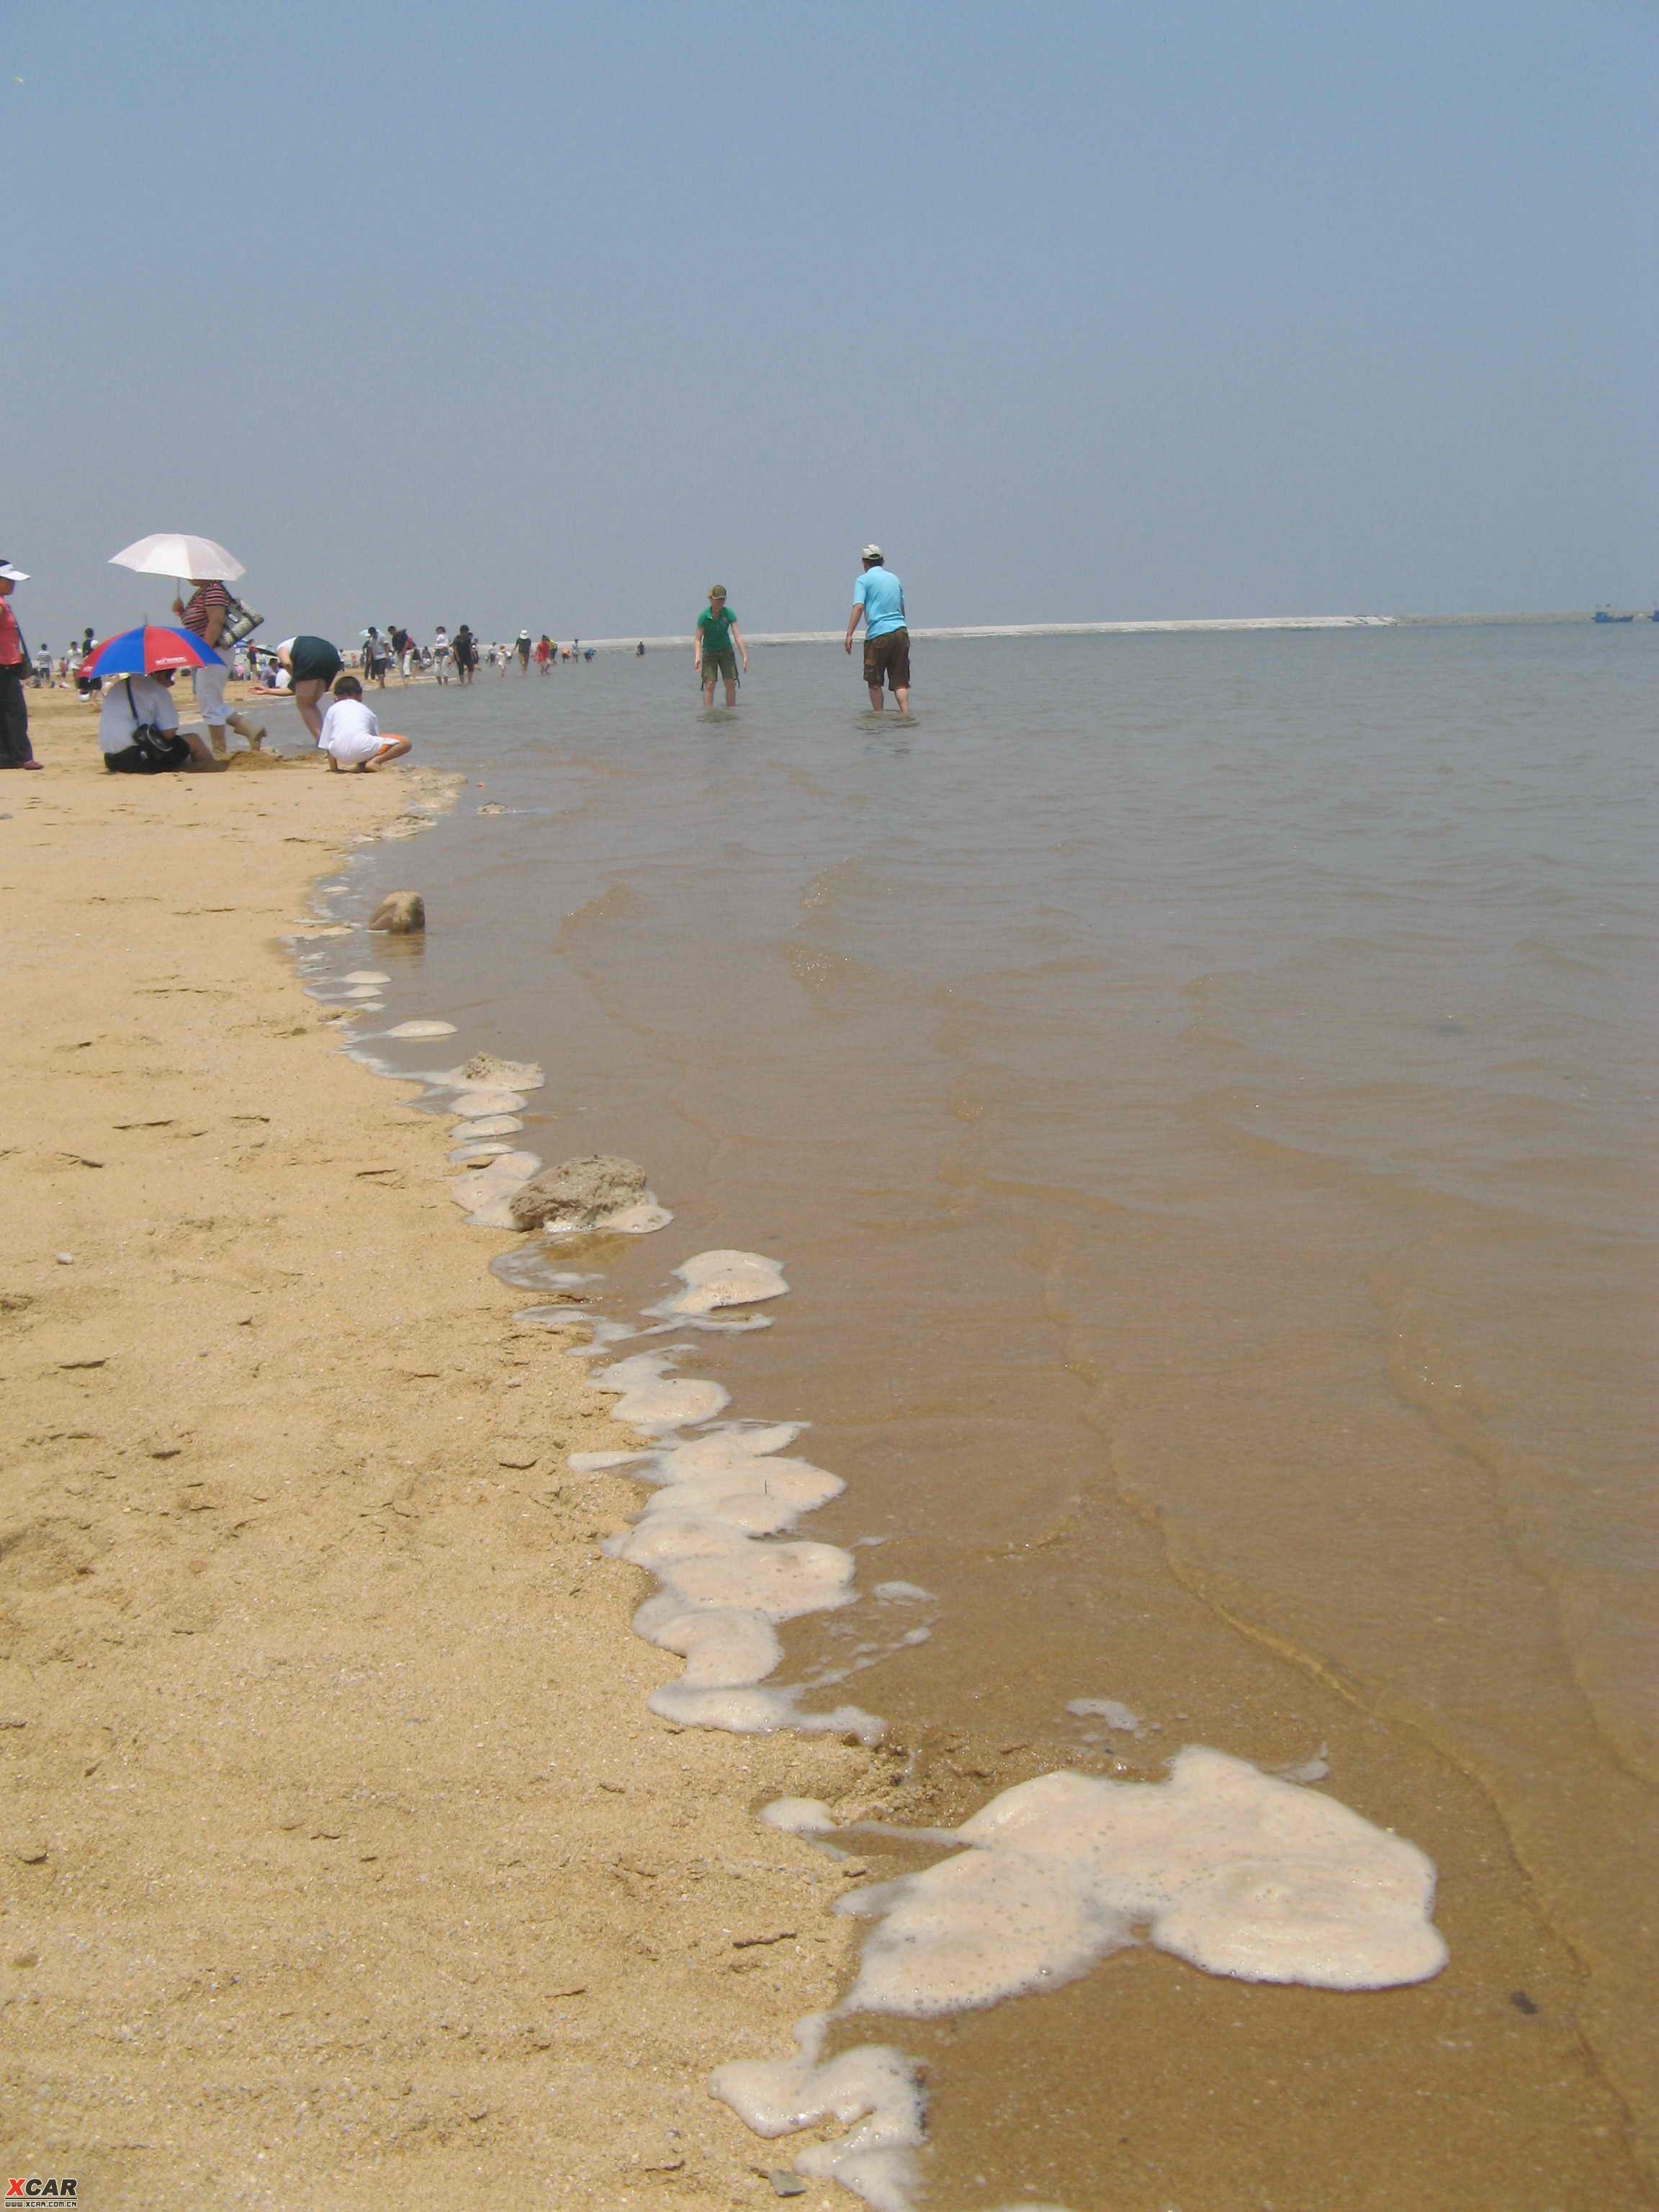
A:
(401, 914)
(578, 1193)
(483, 1067)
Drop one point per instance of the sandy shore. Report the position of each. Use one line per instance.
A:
(342, 1861)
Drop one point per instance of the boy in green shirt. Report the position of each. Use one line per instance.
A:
(712, 652)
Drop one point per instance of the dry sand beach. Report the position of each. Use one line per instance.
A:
(342, 1859)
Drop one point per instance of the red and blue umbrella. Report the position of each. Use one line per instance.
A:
(148, 650)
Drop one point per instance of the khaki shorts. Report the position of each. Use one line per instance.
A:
(887, 657)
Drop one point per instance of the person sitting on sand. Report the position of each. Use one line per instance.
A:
(138, 729)
(313, 664)
(350, 736)
(712, 652)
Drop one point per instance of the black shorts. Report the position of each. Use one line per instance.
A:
(135, 760)
(313, 660)
(888, 657)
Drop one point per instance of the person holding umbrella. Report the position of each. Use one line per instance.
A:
(204, 614)
(210, 569)
(15, 750)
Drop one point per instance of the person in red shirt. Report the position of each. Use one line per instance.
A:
(15, 750)
(205, 615)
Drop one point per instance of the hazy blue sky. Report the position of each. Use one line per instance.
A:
(545, 314)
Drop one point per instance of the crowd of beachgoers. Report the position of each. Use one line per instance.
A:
(383, 654)
(128, 680)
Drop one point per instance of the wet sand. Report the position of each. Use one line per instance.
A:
(1147, 2084)
(1204, 1170)
(342, 1860)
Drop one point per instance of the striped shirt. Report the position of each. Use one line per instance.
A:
(195, 614)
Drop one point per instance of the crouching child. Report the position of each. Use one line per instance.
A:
(350, 735)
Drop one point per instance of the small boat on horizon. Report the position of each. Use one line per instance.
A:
(1605, 615)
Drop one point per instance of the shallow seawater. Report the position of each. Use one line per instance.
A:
(1201, 1091)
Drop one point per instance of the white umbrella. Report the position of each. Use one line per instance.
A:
(173, 553)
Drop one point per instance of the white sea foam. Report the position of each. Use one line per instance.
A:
(1223, 1865)
(649, 1398)
(365, 976)
(722, 1279)
(1238, 1872)
(605, 1333)
(487, 1125)
(472, 1101)
(710, 1534)
(873, 2089)
(488, 1192)
(422, 1029)
(636, 1221)
(1121, 1719)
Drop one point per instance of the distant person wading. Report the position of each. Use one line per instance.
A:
(878, 602)
(717, 647)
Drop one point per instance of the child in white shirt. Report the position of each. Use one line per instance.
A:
(350, 736)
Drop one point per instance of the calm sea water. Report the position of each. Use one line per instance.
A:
(1201, 1088)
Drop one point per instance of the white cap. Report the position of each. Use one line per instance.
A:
(871, 553)
(13, 575)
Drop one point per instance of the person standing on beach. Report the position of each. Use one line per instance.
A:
(879, 602)
(712, 649)
(204, 615)
(465, 650)
(15, 750)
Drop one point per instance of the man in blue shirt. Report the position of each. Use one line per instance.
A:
(878, 599)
